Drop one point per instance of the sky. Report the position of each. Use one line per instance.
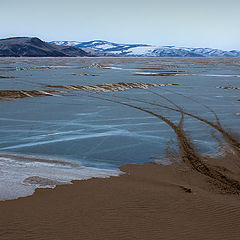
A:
(188, 23)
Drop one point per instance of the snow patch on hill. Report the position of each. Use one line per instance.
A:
(105, 48)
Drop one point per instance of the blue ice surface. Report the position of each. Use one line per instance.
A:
(103, 134)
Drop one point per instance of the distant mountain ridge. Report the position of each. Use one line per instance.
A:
(105, 48)
(34, 47)
(99, 45)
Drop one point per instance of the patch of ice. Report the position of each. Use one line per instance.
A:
(19, 178)
(114, 68)
(217, 75)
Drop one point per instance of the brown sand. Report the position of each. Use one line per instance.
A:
(8, 95)
(112, 87)
(234, 88)
(148, 202)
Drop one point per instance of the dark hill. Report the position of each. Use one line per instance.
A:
(34, 47)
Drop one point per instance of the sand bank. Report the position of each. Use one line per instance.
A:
(148, 202)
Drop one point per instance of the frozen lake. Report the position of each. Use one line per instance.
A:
(92, 136)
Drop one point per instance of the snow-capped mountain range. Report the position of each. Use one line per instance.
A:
(105, 48)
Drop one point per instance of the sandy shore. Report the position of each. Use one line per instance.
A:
(148, 202)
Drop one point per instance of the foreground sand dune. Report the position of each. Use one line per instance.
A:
(148, 202)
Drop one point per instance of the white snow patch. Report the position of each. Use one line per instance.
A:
(104, 46)
(14, 173)
(141, 50)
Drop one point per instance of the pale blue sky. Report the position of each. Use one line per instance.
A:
(191, 23)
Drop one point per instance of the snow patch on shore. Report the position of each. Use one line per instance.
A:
(19, 177)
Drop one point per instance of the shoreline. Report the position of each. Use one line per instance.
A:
(33, 172)
(147, 202)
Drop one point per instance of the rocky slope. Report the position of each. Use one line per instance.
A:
(34, 47)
